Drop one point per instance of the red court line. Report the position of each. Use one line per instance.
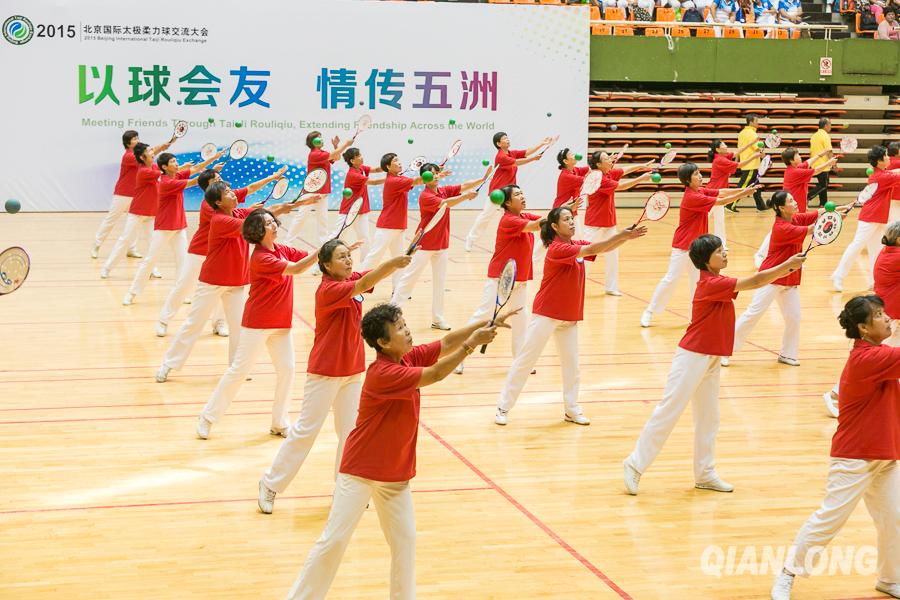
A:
(217, 501)
(531, 516)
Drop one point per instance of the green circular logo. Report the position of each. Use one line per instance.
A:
(17, 30)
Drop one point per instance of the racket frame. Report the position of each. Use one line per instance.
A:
(21, 253)
(498, 306)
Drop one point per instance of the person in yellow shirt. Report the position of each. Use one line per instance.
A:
(819, 143)
(748, 173)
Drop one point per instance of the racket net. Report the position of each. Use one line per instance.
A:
(657, 206)
(591, 183)
(506, 282)
(764, 165)
(827, 228)
(667, 158)
(207, 151)
(315, 181)
(416, 164)
(849, 144)
(239, 149)
(281, 188)
(618, 156)
(181, 128)
(773, 140)
(364, 123)
(866, 193)
(14, 267)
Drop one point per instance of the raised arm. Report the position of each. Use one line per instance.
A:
(537, 148)
(627, 185)
(825, 166)
(258, 185)
(451, 202)
(368, 281)
(640, 167)
(728, 196)
(378, 181)
(202, 166)
(744, 148)
(769, 275)
(303, 264)
(612, 243)
(751, 158)
(468, 185)
(339, 147)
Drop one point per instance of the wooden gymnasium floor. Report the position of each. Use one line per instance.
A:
(108, 494)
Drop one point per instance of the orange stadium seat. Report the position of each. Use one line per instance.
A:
(732, 32)
(681, 32)
(614, 13)
(706, 32)
(754, 34)
(664, 13)
(595, 13)
(654, 32)
(601, 29)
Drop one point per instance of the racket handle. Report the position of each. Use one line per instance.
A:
(483, 348)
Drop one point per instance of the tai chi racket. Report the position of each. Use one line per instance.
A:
(487, 178)
(505, 285)
(591, 183)
(362, 124)
(181, 128)
(826, 229)
(773, 140)
(237, 150)
(415, 165)
(435, 219)
(453, 151)
(618, 156)
(553, 141)
(278, 190)
(655, 208)
(764, 165)
(849, 144)
(864, 196)
(315, 181)
(351, 215)
(14, 268)
(207, 151)
(666, 160)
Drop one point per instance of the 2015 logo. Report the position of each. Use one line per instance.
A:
(18, 30)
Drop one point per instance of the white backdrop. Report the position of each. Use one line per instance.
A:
(92, 69)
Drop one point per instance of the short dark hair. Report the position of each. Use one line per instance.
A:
(254, 228)
(750, 117)
(711, 153)
(349, 154)
(205, 177)
(214, 194)
(429, 167)
(787, 156)
(497, 137)
(889, 11)
(777, 200)
(310, 137)
(686, 171)
(386, 160)
(876, 154)
(702, 249)
(508, 191)
(547, 232)
(326, 252)
(139, 150)
(594, 159)
(128, 136)
(858, 311)
(561, 156)
(163, 159)
(375, 323)
(893, 149)
(823, 122)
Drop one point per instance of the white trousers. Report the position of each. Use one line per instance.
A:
(281, 350)
(360, 228)
(205, 300)
(517, 299)
(136, 226)
(788, 298)
(868, 236)
(488, 217)
(393, 502)
(763, 250)
(536, 337)
(694, 377)
(679, 261)
(601, 234)
(538, 255)
(185, 284)
(177, 242)
(322, 231)
(849, 480)
(385, 239)
(117, 210)
(320, 393)
(409, 276)
(718, 218)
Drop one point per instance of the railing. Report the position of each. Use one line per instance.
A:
(668, 25)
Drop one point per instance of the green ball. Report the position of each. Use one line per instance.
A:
(270, 158)
(347, 192)
(317, 141)
(656, 178)
(212, 120)
(12, 206)
(485, 162)
(869, 171)
(759, 144)
(775, 131)
(549, 114)
(409, 141)
(667, 146)
(238, 124)
(453, 121)
(427, 176)
(496, 197)
(829, 206)
(578, 157)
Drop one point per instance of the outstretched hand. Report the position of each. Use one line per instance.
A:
(500, 321)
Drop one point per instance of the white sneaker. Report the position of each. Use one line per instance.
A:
(155, 274)
(442, 325)
(632, 478)
(468, 245)
(613, 293)
(162, 374)
(578, 419)
(95, 250)
(134, 254)
(891, 589)
(186, 300)
(645, 318)
(831, 404)
(203, 427)
(279, 431)
(788, 361)
(781, 589)
(266, 499)
(837, 284)
(500, 417)
(128, 300)
(220, 328)
(104, 273)
(161, 329)
(725, 361)
(459, 368)
(758, 260)
(716, 484)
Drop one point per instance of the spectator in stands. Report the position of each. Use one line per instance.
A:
(820, 145)
(887, 29)
(764, 12)
(637, 10)
(693, 11)
(725, 12)
(867, 19)
(790, 11)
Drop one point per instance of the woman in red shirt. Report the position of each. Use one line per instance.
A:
(318, 159)
(558, 307)
(887, 286)
(170, 224)
(124, 191)
(693, 221)
(788, 234)
(358, 182)
(568, 187)
(600, 214)
(335, 362)
(723, 166)
(864, 452)
(694, 378)
(267, 322)
(224, 276)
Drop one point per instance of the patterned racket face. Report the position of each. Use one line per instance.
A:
(207, 151)
(773, 140)
(657, 206)
(14, 267)
(668, 158)
(827, 228)
(849, 144)
(181, 128)
(764, 165)
(618, 156)
(506, 282)
(353, 211)
(364, 123)
(866, 193)
(315, 181)
(281, 188)
(239, 149)
(591, 183)
(416, 164)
